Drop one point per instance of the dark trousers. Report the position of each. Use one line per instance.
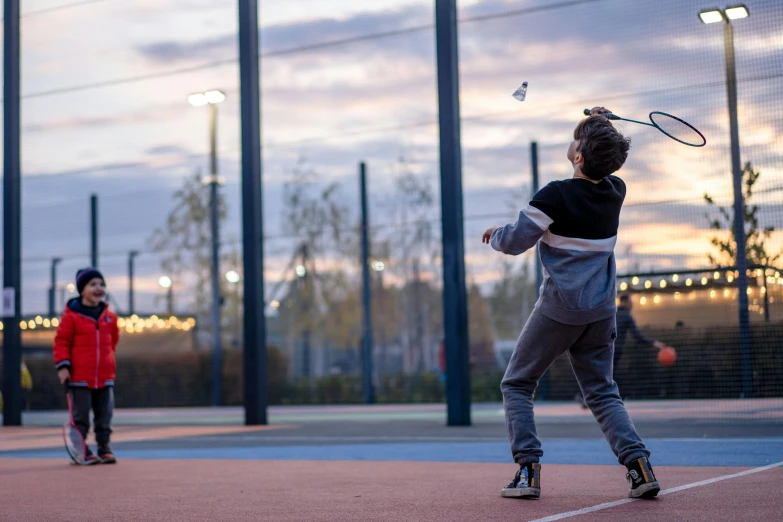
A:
(101, 402)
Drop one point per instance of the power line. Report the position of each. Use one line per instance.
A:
(296, 50)
(495, 114)
(63, 7)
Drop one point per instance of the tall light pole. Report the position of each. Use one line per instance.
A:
(53, 285)
(166, 283)
(212, 98)
(12, 217)
(710, 17)
(131, 256)
(233, 277)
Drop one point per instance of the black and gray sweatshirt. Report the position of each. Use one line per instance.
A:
(576, 222)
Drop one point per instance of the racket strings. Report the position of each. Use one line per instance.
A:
(677, 129)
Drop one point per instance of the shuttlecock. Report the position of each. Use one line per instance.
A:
(520, 93)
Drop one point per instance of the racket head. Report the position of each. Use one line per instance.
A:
(678, 129)
(74, 442)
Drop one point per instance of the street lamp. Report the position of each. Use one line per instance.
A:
(212, 98)
(166, 282)
(233, 277)
(710, 17)
(53, 284)
(131, 256)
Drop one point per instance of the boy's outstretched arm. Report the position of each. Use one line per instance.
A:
(532, 223)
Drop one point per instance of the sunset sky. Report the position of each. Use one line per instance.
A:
(133, 138)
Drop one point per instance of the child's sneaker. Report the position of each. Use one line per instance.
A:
(89, 458)
(105, 454)
(526, 483)
(642, 478)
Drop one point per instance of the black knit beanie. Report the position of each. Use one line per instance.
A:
(84, 276)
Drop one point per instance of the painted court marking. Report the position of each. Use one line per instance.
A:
(607, 505)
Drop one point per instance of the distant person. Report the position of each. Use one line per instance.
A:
(27, 385)
(84, 348)
(625, 324)
(576, 221)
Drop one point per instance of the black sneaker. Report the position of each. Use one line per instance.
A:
(89, 458)
(106, 455)
(526, 483)
(642, 479)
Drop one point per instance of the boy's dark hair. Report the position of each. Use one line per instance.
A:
(603, 147)
(625, 298)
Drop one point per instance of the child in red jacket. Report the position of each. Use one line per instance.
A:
(84, 356)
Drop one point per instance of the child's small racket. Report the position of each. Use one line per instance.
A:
(672, 126)
(74, 442)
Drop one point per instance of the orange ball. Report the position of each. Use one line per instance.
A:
(667, 356)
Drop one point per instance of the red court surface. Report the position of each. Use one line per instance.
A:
(20, 438)
(183, 490)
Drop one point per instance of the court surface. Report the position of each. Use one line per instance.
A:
(716, 460)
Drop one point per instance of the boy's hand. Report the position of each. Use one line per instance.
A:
(658, 344)
(599, 110)
(488, 234)
(64, 374)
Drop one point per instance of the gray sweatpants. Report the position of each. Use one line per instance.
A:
(101, 402)
(590, 348)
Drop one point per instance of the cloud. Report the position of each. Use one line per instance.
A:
(164, 150)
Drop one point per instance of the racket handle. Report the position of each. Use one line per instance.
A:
(608, 115)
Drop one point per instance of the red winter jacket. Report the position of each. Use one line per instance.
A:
(86, 346)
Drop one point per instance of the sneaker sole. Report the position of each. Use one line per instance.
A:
(110, 460)
(527, 493)
(645, 491)
(91, 462)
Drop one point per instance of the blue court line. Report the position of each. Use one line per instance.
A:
(665, 452)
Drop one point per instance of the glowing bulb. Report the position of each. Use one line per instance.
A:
(623, 286)
(688, 282)
(55, 322)
(675, 278)
(712, 294)
(197, 100)
(703, 281)
(47, 323)
(663, 283)
(657, 299)
(711, 17)
(735, 13)
(635, 280)
(648, 284)
(214, 96)
(643, 301)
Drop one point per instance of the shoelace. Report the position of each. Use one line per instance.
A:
(516, 480)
